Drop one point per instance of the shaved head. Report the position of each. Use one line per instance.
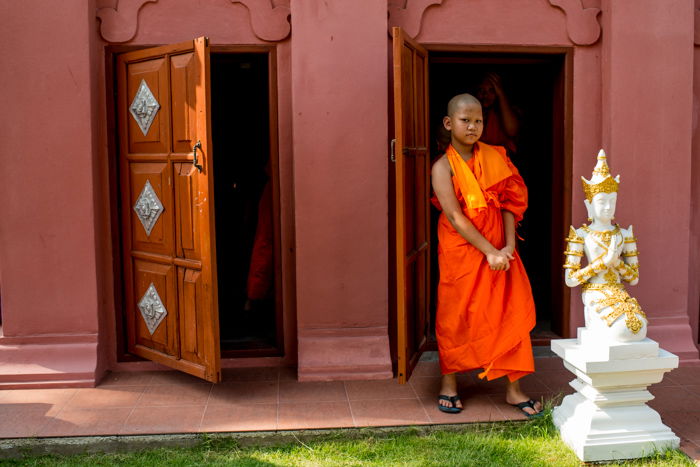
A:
(459, 101)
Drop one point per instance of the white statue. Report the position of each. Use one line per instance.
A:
(611, 252)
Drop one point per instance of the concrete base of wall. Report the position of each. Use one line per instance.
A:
(675, 335)
(48, 361)
(344, 354)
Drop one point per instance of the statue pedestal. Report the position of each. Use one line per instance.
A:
(607, 417)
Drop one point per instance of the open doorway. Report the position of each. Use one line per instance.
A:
(538, 83)
(246, 227)
(232, 92)
(533, 84)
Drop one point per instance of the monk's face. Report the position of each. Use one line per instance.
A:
(466, 124)
(486, 94)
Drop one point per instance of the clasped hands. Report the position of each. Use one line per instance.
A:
(612, 257)
(499, 260)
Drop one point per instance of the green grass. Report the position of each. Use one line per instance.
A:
(533, 443)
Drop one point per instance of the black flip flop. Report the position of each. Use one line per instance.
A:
(452, 400)
(531, 404)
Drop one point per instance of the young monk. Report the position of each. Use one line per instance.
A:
(485, 309)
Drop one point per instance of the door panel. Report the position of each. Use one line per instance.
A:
(162, 276)
(412, 186)
(154, 74)
(182, 78)
(167, 207)
(185, 186)
(149, 186)
(192, 328)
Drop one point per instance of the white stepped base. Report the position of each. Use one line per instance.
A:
(607, 418)
(611, 433)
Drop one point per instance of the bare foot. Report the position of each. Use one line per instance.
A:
(449, 388)
(515, 395)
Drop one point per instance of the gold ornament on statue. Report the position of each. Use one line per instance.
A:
(606, 183)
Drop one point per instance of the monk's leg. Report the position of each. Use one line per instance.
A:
(515, 395)
(449, 388)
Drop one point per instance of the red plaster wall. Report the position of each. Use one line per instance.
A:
(47, 234)
(694, 254)
(647, 109)
(632, 95)
(48, 261)
(103, 233)
(521, 22)
(181, 20)
(339, 89)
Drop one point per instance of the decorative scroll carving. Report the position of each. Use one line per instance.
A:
(409, 17)
(120, 24)
(269, 23)
(148, 208)
(152, 309)
(581, 23)
(144, 107)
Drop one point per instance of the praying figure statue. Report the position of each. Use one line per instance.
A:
(612, 260)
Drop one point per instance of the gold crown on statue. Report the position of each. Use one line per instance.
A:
(601, 181)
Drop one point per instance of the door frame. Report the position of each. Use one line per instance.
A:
(563, 203)
(410, 142)
(282, 277)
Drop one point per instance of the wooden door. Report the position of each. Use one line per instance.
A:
(412, 190)
(167, 209)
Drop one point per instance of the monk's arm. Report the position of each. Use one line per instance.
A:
(511, 123)
(509, 228)
(508, 117)
(442, 184)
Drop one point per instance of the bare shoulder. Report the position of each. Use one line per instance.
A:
(441, 167)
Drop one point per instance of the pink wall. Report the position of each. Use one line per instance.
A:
(647, 109)
(694, 255)
(632, 95)
(490, 22)
(47, 233)
(339, 100)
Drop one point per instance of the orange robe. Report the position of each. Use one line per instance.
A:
(262, 257)
(484, 317)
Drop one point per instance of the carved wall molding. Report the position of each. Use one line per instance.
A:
(582, 24)
(410, 16)
(120, 24)
(268, 22)
(265, 29)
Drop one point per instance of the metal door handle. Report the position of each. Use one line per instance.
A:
(194, 150)
(393, 145)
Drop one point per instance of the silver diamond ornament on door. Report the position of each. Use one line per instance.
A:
(144, 107)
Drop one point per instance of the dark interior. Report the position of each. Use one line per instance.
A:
(241, 138)
(531, 84)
